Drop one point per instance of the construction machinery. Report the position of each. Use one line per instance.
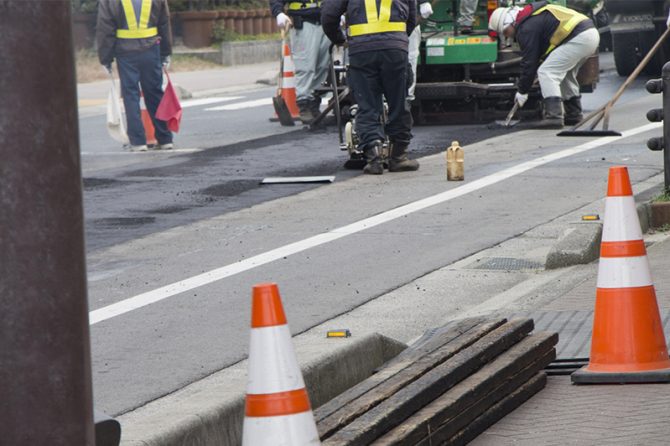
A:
(472, 78)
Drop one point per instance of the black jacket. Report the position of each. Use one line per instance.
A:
(309, 14)
(111, 17)
(533, 33)
(401, 11)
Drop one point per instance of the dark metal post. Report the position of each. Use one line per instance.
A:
(45, 371)
(666, 123)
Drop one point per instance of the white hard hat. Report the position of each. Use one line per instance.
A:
(501, 18)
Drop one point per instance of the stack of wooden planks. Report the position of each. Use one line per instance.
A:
(447, 388)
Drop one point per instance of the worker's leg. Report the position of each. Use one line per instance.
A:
(365, 81)
(399, 125)
(321, 57)
(466, 15)
(129, 75)
(414, 44)
(151, 80)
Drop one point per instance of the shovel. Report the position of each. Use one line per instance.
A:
(281, 109)
(508, 121)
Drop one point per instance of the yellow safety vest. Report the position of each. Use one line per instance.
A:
(296, 6)
(568, 19)
(136, 29)
(378, 22)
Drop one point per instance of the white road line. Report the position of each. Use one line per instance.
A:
(206, 101)
(241, 105)
(150, 297)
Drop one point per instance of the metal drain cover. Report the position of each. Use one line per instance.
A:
(506, 264)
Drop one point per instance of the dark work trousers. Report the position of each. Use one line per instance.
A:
(142, 68)
(372, 76)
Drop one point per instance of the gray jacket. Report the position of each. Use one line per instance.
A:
(112, 17)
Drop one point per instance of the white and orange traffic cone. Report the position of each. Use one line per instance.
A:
(277, 409)
(147, 123)
(628, 344)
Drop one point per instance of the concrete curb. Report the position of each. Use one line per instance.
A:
(211, 411)
(580, 244)
(237, 53)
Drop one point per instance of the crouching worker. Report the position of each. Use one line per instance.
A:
(378, 45)
(555, 42)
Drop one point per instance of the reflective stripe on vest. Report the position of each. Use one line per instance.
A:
(296, 6)
(136, 30)
(377, 23)
(568, 19)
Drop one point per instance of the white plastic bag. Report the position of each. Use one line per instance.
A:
(116, 117)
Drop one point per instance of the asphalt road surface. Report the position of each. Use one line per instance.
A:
(176, 240)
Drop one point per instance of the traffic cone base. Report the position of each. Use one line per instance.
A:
(266, 431)
(628, 344)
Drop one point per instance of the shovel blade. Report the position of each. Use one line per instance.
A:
(283, 113)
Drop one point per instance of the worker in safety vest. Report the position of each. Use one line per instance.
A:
(137, 34)
(425, 10)
(309, 47)
(555, 42)
(378, 44)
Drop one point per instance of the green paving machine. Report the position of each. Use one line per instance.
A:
(468, 78)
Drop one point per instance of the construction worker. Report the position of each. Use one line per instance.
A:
(555, 42)
(466, 15)
(137, 34)
(378, 45)
(309, 47)
(426, 10)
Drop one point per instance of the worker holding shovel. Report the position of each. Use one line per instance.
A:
(555, 42)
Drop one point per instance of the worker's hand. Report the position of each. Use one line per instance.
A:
(426, 10)
(108, 68)
(343, 21)
(667, 22)
(521, 98)
(282, 20)
(166, 62)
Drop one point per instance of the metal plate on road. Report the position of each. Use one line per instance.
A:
(287, 180)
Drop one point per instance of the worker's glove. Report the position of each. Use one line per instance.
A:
(667, 22)
(426, 10)
(343, 21)
(521, 98)
(108, 68)
(282, 20)
(166, 62)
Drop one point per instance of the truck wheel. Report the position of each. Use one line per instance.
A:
(626, 53)
(655, 65)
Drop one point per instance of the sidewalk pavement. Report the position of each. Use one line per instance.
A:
(196, 84)
(566, 414)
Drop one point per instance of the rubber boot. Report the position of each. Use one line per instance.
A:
(573, 110)
(553, 114)
(305, 108)
(399, 162)
(373, 157)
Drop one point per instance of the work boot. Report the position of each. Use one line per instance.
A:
(398, 161)
(373, 157)
(305, 109)
(553, 114)
(573, 110)
(466, 29)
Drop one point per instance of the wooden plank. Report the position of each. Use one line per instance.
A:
(529, 356)
(499, 410)
(427, 344)
(385, 383)
(412, 397)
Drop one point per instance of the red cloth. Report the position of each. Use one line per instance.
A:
(169, 110)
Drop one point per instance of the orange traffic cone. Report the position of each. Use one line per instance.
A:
(628, 344)
(287, 91)
(277, 409)
(146, 121)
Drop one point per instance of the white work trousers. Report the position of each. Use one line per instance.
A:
(309, 47)
(414, 43)
(558, 73)
(466, 13)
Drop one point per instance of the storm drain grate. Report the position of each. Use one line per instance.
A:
(506, 264)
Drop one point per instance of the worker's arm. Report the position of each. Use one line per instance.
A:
(277, 7)
(411, 20)
(106, 32)
(531, 52)
(164, 30)
(331, 11)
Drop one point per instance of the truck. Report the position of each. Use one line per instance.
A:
(472, 78)
(635, 25)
